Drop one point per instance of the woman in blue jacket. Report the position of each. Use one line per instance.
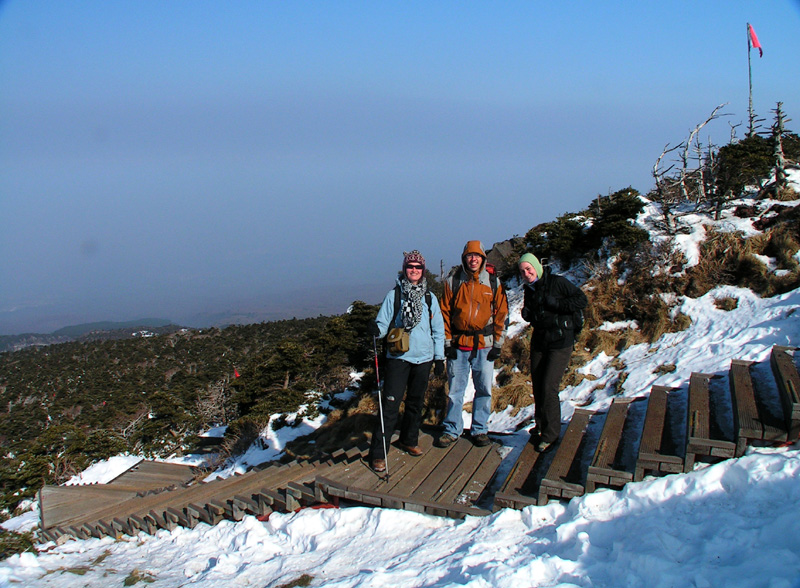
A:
(407, 373)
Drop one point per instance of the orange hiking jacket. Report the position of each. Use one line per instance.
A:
(475, 312)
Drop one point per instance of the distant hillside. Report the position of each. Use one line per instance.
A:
(76, 331)
(99, 331)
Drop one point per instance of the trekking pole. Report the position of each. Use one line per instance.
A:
(380, 406)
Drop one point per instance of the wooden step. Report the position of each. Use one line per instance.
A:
(521, 485)
(61, 506)
(563, 477)
(443, 481)
(704, 441)
(607, 468)
(751, 419)
(657, 450)
(788, 381)
(151, 475)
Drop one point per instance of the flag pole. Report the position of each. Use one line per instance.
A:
(750, 80)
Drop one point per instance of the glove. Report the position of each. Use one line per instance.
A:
(526, 314)
(450, 352)
(438, 367)
(550, 302)
(493, 354)
(373, 329)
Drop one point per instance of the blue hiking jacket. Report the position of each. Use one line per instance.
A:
(423, 345)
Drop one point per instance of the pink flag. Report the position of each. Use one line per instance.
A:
(754, 40)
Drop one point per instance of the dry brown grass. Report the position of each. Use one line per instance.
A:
(665, 368)
(786, 194)
(612, 343)
(782, 245)
(516, 392)
(728, 258)
(726, 303)
(681, 322)
(435, 400)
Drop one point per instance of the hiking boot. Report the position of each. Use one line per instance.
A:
(542, 446)
(412, 450)
(378, 465)
(481, 440)
(445, 440)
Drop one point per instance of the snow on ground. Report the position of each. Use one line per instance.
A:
(731, 524)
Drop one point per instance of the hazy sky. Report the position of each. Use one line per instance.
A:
(179, 159)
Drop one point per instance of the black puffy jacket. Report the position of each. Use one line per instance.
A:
(550, 304)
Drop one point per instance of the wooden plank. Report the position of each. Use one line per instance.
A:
(246, 503)
(178, 516)
(747, 425)
(421, 506)
(655, 454)
(274, 498)
(602, 470)
(219, 510)
(303, 492)
(450, 464)
(699, 407)
(353, 478)
(653, 430)
(703, 442)
(106, 527)
(519, 488)
(454, 483)
(357, 474)
(171, 518)
(67, 505)
(427, 463)
(768, 403)
(472, 491)
(270, 478)
(788, 381)
(558, 477)
(144, 524)
(149, 475)
(121, 526)
(401, 465)
(179, 497)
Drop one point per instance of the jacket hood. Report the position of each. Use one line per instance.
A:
(473, 247)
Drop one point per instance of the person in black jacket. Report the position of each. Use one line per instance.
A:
(550, 303)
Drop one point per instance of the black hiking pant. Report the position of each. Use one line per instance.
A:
(547, 369)
(407, 378)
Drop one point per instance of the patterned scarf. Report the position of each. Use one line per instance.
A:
(412, 303)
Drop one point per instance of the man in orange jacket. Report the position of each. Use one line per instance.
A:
(475, 311)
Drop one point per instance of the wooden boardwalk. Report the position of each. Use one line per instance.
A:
(677, 430)
(667, 432)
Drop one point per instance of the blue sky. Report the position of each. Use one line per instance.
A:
(183, 159)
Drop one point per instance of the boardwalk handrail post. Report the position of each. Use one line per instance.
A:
(380, 406)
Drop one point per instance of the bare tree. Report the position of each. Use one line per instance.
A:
(684, 174)
(733, 132)
(778, 128)
(213, 403)
(664, 192)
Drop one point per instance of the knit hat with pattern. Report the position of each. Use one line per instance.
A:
(413, 257)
